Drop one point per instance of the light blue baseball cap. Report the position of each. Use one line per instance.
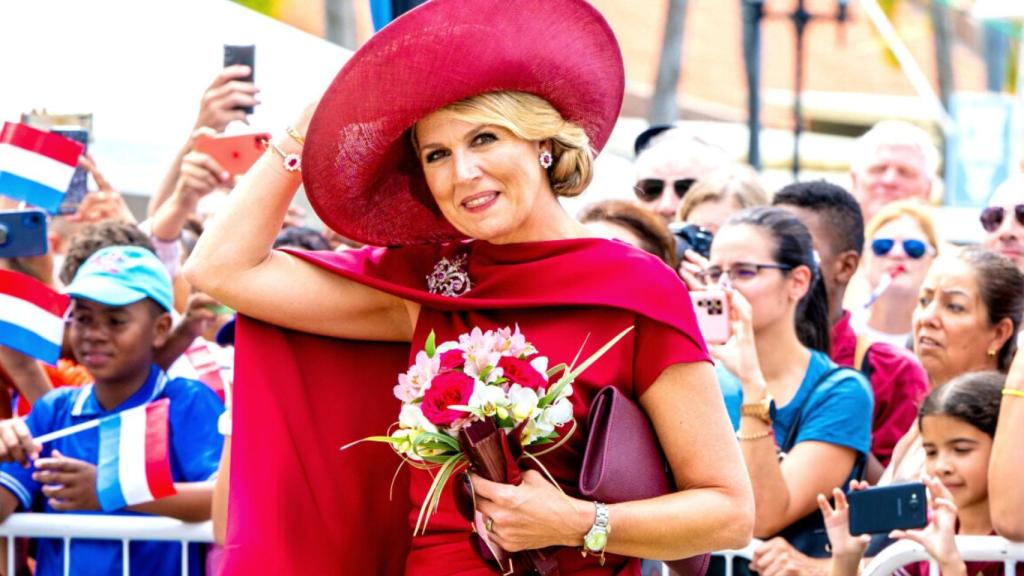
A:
(122, 275)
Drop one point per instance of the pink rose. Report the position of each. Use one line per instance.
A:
(520, 372)
(446, 389)
(452, 360)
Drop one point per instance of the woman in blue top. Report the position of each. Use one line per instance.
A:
(780, 387)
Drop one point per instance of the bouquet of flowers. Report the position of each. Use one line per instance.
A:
(481, 401)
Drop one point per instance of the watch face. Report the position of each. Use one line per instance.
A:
(596, 540)
(771, 409)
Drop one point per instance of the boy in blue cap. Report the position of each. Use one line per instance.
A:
(121, 302)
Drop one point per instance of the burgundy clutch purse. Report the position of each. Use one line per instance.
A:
(623, 461)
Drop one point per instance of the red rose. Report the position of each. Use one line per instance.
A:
(451, 360)
(446, 389)
(520, 372)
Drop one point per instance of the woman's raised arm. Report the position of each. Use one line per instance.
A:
(233, 262)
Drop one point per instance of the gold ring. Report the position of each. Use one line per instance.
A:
(489, 524)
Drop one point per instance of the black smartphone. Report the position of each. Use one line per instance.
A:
(238, 54)
(22, 233)
(886, 508)
(80, 180)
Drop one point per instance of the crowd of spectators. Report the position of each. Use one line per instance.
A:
(877, 349)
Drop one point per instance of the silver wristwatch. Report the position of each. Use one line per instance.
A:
(597, 538)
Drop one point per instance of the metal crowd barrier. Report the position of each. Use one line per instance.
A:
(900, 554)
(70, 527)
(972, 548)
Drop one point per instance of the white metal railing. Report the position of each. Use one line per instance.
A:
(68, 527)
(972, 548)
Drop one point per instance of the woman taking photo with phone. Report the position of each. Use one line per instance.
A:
(781, 390)
(449, 136)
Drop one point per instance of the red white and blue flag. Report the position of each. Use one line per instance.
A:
(134, 463)
(36, 166)
(31, 316)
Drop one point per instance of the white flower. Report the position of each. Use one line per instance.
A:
(513, 343)
(411, 417)
(481, 350)
(540, 364)
(558, 413)
(522, 402)
(534, 431)
(487, 399)
(416, 380)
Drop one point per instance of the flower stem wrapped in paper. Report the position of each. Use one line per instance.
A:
(482, 402)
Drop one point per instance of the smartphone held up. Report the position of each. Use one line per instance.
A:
(22, 233)
(235, 153)
(712, 308)
(882, 509)
(245, 55)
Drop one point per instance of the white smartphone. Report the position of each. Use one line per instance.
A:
(712, 308)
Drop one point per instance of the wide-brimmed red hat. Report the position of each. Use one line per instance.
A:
(359, 169)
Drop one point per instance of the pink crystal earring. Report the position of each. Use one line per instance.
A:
(546, 160)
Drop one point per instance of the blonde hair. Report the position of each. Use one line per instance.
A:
(532, 118)
(737, 184)
(905, 208)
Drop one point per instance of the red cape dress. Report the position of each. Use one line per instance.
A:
(299, 505)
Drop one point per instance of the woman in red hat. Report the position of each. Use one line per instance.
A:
(446, 140)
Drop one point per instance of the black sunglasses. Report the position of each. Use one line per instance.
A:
(913, 248)
(992, 217)
(650, 189)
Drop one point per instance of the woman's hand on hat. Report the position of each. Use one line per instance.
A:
(68, 483)
(301, 124)
(739, 354)
(534, 514)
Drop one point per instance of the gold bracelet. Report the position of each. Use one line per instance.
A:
(295, 135)
(292, 162)
(1013, 392)
(758, 436)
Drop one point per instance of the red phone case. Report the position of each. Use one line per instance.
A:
(235, 153)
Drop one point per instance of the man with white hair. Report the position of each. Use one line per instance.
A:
(895, 160)
(669, 160)
(1003, 220)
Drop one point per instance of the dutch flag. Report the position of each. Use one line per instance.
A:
(36, 166)
(134, 464)
(31, 316)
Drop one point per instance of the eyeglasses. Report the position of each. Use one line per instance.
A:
(650, 189)
(738, 272)
(913, 248)
(992, 217)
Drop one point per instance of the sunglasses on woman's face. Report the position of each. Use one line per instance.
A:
(650, 189)
(992, 217)
(913, 248)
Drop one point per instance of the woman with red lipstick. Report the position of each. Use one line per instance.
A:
(448, 138)
(968, 311)
(901, 245)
